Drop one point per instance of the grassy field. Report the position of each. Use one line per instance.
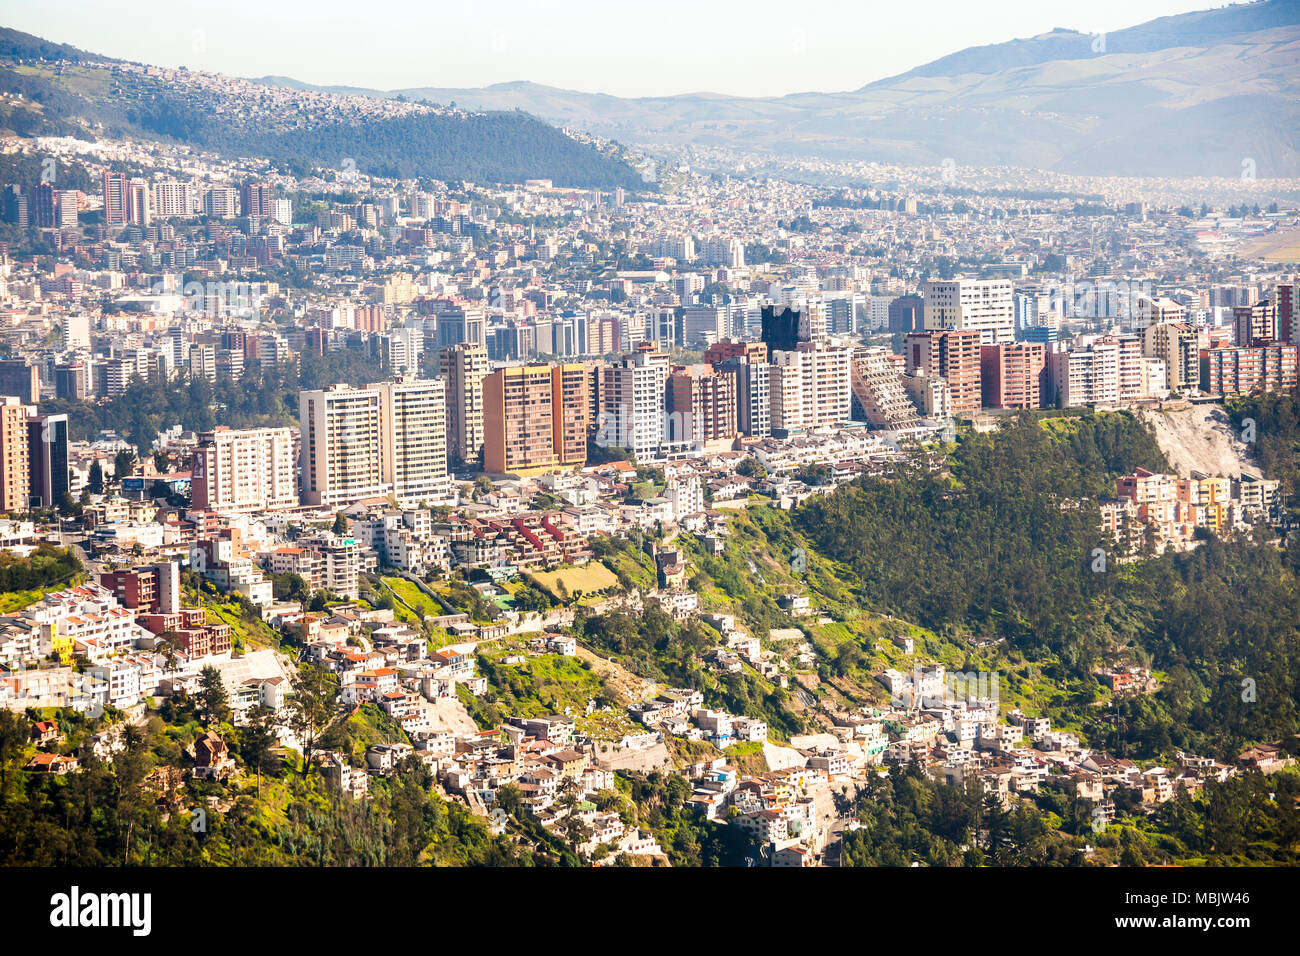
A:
(638, 566)
(1277, 247)
(589, 579)
(17, 600)
(413, 596)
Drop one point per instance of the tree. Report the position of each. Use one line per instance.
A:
(340, 524)
(14, 734)
(167, 646)
(312, 706)
(212, 695)
(256, 742)
(95, 483)
(123, 464)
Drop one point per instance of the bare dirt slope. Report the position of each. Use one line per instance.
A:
(1200, 438)
(449, 714)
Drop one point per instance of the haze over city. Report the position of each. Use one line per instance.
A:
(747, 48)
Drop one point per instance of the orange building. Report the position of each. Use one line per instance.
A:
(535, 419)
(1014, 375)
(954, 355)
(15, 463)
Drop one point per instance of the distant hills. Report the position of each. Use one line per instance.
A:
(1194, 95)
(68, 91)
(1189, 95)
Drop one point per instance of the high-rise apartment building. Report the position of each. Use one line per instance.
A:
(569, 386)
(1175, 344)
(255, 200)
(810, 387)
(15, 455)
(139, 209)
(1013, 376)
(1154, 311)
(245, 470)
(174, 199)
(1256, 324)
(413, 439)
(954, 356)
(116, 191)
(525, 409)
(632, 412)
(463, 367)
(701, 407)
(1245, 371)
(753, 392)
(221, 202)
(1288, 329)
(341, 446)
(983, 305)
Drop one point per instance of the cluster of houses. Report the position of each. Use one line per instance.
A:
(119, 642)
(1170, 510)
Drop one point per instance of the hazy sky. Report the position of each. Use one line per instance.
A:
(745, 47)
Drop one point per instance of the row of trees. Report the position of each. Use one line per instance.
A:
(261, 397)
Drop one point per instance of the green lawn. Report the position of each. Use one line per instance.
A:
(413, 596)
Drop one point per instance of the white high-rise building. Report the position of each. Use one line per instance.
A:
(221, 202)
(171, 199)
(282, 211)
(983, 304)
(413, 439)
(632, 415)
(245, 470)
(811, 387)
(342, 445)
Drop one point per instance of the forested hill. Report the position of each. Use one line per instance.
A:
(480, 147)
(66, 91)
(1006, 546)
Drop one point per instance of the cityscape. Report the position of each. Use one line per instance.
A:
(428, 478)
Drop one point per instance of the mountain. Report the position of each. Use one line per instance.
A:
(1190, 95)
(66, 91)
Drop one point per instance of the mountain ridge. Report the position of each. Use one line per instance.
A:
(1219, 85)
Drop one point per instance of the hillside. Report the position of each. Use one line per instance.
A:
(65, 91)
(1049, 102)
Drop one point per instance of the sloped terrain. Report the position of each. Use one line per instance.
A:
(1221, 84)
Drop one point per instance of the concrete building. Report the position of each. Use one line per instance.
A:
(953, 355)
(244, 470)
(535, 418)
(341, 446)
(632, 412)
(463, 367)
(413, 439)
(1246, 371)
(1175, 344)
(1013, 376)
(983, 305)
(15, 456)
(701, 406)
